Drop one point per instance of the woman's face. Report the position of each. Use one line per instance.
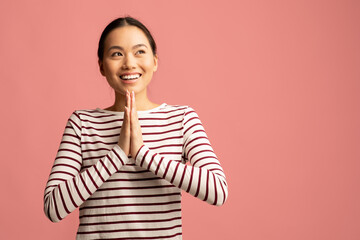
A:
(127, 50)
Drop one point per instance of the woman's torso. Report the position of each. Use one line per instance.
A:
(133, 203)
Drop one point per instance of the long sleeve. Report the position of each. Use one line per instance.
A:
(204, 178)
(68, 186)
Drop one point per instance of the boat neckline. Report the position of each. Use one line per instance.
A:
(122, 112)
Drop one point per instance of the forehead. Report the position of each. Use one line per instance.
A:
(126, 37)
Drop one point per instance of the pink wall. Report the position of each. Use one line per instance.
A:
(276, 85)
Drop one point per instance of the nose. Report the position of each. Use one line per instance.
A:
(129, 62)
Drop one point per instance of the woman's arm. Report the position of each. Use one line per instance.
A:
(67, 187)
(205, 178)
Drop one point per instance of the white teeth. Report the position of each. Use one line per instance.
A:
(130, 76)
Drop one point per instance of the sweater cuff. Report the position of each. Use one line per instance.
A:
(141, 154)
(120, 155)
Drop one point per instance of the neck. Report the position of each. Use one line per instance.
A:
(141, 100)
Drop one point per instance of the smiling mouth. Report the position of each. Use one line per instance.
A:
(130, 77)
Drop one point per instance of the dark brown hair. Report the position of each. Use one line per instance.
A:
(120, 22)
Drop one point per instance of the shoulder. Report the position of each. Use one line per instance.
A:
(83, 113)
(185, 112)
(183, 108)
(83, 116)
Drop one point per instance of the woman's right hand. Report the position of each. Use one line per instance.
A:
(124, 139)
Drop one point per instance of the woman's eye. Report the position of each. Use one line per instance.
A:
(141, 51)
(115, 54)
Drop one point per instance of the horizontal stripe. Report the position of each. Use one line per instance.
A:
(131, 221)
(131, 230)
(138, 187)
(155, 237)
(130, 213)
(135, 196)
(130, 205)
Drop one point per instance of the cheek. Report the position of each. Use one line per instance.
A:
(148, 64)
(112, 66)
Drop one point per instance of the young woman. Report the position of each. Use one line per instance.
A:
(125, 165)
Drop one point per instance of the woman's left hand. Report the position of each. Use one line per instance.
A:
(136, 140)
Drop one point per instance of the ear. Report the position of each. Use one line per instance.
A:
(101, 66)
(155, 63)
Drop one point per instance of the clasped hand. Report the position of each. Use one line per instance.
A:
(130, 139)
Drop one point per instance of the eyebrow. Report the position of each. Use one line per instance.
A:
(121, 48)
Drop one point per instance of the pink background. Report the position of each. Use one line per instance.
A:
(275, 83)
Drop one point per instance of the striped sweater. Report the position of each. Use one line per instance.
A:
(124, 197)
